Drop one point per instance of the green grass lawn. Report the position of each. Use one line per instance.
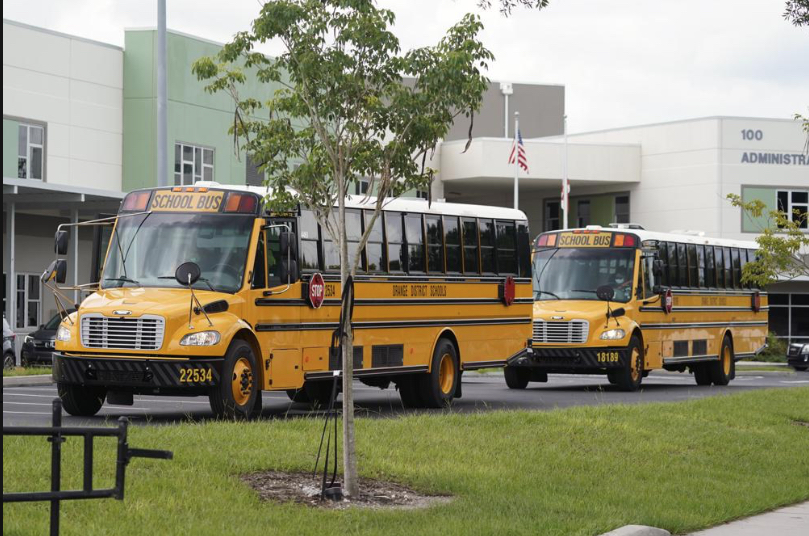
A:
(586, 470)
(26, 371)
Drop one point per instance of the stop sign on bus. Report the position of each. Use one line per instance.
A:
(317, 291)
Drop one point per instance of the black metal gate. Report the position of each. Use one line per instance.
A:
(58, 434)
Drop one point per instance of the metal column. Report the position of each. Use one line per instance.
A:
(11, 276)
(74, 219)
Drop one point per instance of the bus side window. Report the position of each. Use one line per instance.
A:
(720, 263)
(309, 242)
(524, 249)
(506, 247)
(471, 264)
(737, 268)
(414, 232)
(259, 274)
(393, 234)
(662, 249)
(648, 277)
(435, 244)
(710, 278)
(692, 265)
(487, 243)
(682, 263)
(375, 247)
(273, 246)
(673, 277)
(728, 268)
(452, 239)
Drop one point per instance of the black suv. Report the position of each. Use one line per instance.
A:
(798, 355)
(37, 347)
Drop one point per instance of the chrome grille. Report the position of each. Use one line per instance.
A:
(574, 331)
(137, 333)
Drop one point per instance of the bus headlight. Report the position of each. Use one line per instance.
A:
(202, 338)
(613, 334)
(63, 334)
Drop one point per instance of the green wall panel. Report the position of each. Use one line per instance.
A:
(140, 160)
(139, 66)
(10, 147)
(767, 195)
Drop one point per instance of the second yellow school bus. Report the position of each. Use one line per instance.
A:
(625, 301)
(440, 289)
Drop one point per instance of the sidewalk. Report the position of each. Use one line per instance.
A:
(789, 521)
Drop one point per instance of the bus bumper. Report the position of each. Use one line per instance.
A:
(139, 375)
(582, 360)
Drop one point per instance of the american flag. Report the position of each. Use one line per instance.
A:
(518, 147)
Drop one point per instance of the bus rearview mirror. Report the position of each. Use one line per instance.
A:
(60, 242)
(288, 270)
(605, 293)
(289, 244)
(57, 271)
(187, 273)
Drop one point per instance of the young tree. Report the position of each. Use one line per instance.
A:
(780, 243)
(350, 105)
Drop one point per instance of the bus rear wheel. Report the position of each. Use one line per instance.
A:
(517, 377)
(81, 401)
(438, 386)
(702, 374)
(723, 370)
(237, 396)
(630, 376)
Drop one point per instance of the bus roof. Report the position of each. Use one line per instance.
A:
(683, 238)
(399, 204)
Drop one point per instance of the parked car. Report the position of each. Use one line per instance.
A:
(37, 347)
(798, 355)
(9, 357)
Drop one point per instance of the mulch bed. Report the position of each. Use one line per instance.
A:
(303, 488)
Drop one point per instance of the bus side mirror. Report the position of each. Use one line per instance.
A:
(187, 273)
(289, 244)
(57, 271)
(615, 313)
(657, 268)
(288, 270)
(60, 242)
(605, 293)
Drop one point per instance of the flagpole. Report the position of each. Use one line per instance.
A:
(516, 160)
(565, 182)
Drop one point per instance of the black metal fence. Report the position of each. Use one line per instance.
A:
(58, 434)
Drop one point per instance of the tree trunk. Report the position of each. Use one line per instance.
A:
(351, 483)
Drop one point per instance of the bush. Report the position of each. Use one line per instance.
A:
(776, 351)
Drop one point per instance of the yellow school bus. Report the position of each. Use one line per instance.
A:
(623, 301)
(206, 292)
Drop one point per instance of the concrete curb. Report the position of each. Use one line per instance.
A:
(637, 530)
(761, 364)
(19, 381)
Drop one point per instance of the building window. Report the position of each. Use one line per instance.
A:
(552, 219)
(29, 301)
(795, 203)
(361, 186)
(583, 213)
(31, 151)
(253, 177)
(789, 316)
(192, 164)
(422, 194)
(622, 209)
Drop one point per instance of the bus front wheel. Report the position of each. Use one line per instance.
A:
(629, 377)
(81, 401)
(723, 370)
(516, 377)
(237, 396)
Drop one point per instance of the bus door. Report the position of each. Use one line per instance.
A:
(275, 308)
(650, 308)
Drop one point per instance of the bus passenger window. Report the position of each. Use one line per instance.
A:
(470, 246)
(662, 254)
(524, 249)
(452, 238)
(719, 263)
(309, 241)
(648, 277)
(393, 232)
(506, 247)
(737, 268)
(487, 241)
(415, 243)
(374, 247)
(728, 268)
(435, 244)
(674, 278)
(692, 265)
(710, 278)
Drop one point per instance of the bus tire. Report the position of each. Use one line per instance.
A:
(722, 371)
(702, 375)
(517, 377)
(236, 396)
(630, 376)
(81, 401)
(438, 386)
(409, 391)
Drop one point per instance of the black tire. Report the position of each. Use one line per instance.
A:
(298, 395)
(722, 371)
(81, 401)
(439, 385)
(316, 394)
(702, 375)
(9, 362)
(517, 377)
(801, 368)
(237, 394)
(630, 375)
(409, 391)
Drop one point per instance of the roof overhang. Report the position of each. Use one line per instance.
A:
(28, 194)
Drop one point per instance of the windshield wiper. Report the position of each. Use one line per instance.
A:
(124, 279)
(206, 281)
(546, 292)
(584, 290)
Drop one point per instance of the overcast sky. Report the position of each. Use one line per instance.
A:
(623, 62)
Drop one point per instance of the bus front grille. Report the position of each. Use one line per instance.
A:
(572, 332)
(121, 333)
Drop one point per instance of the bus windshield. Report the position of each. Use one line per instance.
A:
(146, 249)
(575, 274)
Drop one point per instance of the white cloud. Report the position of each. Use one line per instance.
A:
(623, 62)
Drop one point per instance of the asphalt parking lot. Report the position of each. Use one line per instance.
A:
(31, 405)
